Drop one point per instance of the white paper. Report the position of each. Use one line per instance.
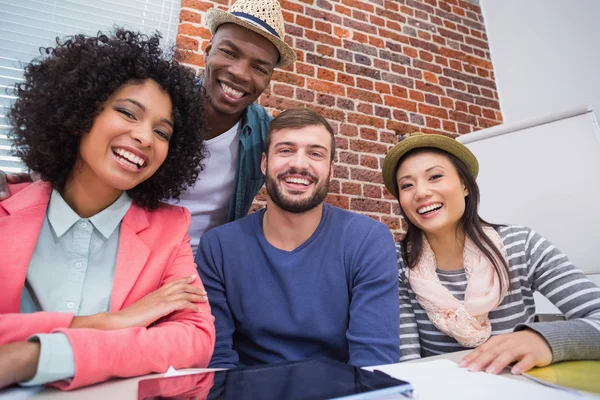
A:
(443, 379)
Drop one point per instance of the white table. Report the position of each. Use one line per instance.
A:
(127, 388)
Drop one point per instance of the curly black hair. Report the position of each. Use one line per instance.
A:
(63, 92)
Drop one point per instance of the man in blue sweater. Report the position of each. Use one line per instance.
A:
(302, 278)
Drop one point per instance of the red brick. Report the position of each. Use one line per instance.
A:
(462, 128)
(372, 191)
(370, 205)
(418, 96)
(473, 109)
(428, 87)
(430, 77)
(341, 32)
(486, 123)
(347, 157)
(288, 77)
(345, 79)
(323, 27)
(433, 111)
(283, 90)
(363, 146)
(325, 50)
(382, 88)
(359, 119)
(359, 4)
(377, 42)
(187, 43)
(351, 188)
(364, 95)
(325, 87)
(400, 103)
(368, 134)
(369, 162)
(338, 201)
(190, 16)
(388, 137)
(400, 128)
(447, 102)
(364, 84)
(305, 69)
(343, 10)
(463, 117)
(433, 122)
(288, 5)
(326, 74)
(490, 114)
(410, 51)
(365, 108)
(197, 5)
(449, 126)
(305, 22)
(323, 38)
(391, 222)
(460, 106)
(288, 17)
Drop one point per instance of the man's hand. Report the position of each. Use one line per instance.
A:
(176, 295)
(527, 347)
(5, 179)
(18, 362)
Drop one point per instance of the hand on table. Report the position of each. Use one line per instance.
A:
(527, 348)
(18, 362)
(178, 294)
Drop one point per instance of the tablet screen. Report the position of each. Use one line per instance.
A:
(306, 380)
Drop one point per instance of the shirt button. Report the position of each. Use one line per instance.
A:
(70, 305)
(84, 224)
(78, 265)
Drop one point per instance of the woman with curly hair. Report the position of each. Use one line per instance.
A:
(100, 280)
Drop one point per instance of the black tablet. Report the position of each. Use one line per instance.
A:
(299, 380)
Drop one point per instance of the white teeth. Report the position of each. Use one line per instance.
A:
(430, 207)
(304, 182)
(231, 91)
(132, 158)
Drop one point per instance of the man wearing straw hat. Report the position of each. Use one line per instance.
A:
(247, 45)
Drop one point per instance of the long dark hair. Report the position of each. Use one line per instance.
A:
(470, 222)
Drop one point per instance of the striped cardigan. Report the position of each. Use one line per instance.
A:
(535, 265)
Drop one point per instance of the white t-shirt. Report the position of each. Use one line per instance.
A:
(208, 201)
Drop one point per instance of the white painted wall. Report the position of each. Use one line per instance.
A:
(546, 54)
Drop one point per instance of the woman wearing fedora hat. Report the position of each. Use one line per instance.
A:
(466, 283)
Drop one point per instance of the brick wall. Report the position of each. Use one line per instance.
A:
(376, 69)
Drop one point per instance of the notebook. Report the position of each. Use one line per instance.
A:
(581, 376)
(298, 380)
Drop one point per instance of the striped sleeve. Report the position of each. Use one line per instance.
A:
(552, 274)
(410, 347)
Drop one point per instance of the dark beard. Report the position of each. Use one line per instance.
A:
(295, 207)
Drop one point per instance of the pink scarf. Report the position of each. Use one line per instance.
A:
(466, 321)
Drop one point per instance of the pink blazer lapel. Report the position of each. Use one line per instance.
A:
(19, 231)
(132, 256)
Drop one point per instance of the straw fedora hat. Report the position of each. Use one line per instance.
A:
(419, 140)
(261, 16)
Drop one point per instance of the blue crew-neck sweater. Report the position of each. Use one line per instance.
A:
(335, 296)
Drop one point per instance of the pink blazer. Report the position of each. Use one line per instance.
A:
(153, 249)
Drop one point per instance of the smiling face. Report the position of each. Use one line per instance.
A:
(239, 65)
(432, 195)
(298, 167)
(129, 139)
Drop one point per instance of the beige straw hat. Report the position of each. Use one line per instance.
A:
(261, 16)
(419, 140)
